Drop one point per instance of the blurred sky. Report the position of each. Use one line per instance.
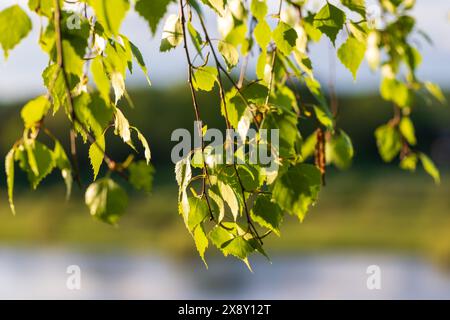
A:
(20, 74)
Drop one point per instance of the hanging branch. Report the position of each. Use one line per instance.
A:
(252, 227)
(196, 108)
(112, 165)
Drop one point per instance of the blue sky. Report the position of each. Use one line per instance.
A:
(20, 74)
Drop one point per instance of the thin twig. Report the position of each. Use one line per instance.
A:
(196, 108)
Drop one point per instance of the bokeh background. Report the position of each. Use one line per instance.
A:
(372, 214)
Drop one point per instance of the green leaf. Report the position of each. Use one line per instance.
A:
(152, 11)
(54, 82)
(40, 162)
(74, 44)
(41, 7)
(230, 198)
(263, 34)
(259, 9)
(122, 127)
(435, 91)
(286, 123)
(324, 116)
(9, 170)
(117, 59)
(313, 33)
(238, 35)
(356, 5)
(106, 200)
(297, 188)
(14, 26)
(219, 235)
(330, 20)
(413, 58)
(409, 162)
(217, 5)
(267, 214)
(351, 54)
(309, 146)
(140, 60)
(73, 61)
(198, 211)
(217, 203)
(285, 99)
(101, 78)
(183, 173)
(408, 131)
(232, 241)
(238, 247)
(389, 142)
(229, 53)
(430, 167)
(359, 31)
(205, 78)
(141, 176)
(235, 107)
(339, 150)
(34, 111)
(316, 90)
(118, 84)
(201, 242)
(196, 38)
(93, 113)
(285, 38)
(110, 13)
(145, 145)
(172, 33)
(97, 154)
(249, 176)
(395, 91)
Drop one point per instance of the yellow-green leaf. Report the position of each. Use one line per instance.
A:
(106, 200)
(351, 54)
(205, 78)
(15, 25)
(110, 13)
(97, 154)
(201, 242)
(9, 169)
(34, 111)
(408, 131)
(229, 53)
(430, 168)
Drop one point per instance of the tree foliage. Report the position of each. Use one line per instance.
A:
(231, 206)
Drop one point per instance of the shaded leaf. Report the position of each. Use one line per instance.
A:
(389, 142)
(141, 176)
(297, 188)
(267, 213)
(330, 20)
(152, 11)
(106, 200)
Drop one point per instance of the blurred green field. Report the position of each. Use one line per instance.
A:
(365, 209)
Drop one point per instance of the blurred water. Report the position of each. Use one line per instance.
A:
(41, 274)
